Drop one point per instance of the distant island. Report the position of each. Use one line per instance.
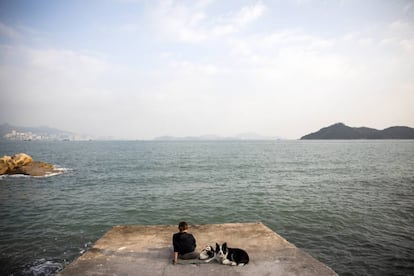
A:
(41, 133)
(241, 136)
(341, 131)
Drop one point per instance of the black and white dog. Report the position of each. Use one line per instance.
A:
(208, 254)
(231, 256)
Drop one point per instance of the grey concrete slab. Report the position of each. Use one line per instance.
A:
(147, 250)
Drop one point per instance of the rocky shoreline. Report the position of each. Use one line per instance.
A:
(23, 163)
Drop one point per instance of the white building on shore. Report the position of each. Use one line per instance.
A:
(30, 136)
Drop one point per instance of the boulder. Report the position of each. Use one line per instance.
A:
(21, 159)
(22, 163)
(4, 164)
(38, 168)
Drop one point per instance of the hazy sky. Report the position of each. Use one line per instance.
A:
(139, 69)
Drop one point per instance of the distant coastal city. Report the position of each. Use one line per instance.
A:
(30, 136)
(17, 133)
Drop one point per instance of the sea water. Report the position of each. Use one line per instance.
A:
(349, 204)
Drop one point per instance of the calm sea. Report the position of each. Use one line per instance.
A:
(350, 204)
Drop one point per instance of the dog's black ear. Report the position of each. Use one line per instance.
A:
(224, 245)
(217, 247)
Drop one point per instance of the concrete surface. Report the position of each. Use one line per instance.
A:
(147, 250)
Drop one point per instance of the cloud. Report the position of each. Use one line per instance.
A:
(193, 23)
(67, 64)
(50, 83)
(9, 32)
(178, 21)
(248, 14)
(409, 6)
(408, 45)
(400, 29)
(401, 33)
(302, 75)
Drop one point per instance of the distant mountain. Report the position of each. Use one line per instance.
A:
(7, 128)
(11, 132)
(242, 136)
(187, 138)
(342, 131)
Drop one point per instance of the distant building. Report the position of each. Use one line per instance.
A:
(29, 136)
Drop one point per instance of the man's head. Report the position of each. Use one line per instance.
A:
(182, 226)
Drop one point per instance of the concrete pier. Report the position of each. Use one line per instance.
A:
(147, 250)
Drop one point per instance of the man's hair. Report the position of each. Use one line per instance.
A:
(183, 226)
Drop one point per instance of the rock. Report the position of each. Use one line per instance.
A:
(38, 168)
(21, 159)
(22, 163)
(7, 164)
(4, 164)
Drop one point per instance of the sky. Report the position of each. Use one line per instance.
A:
(137, 69)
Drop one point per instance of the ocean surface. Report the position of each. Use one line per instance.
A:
(350, 204)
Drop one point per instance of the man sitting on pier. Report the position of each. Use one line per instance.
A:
(184, 244)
